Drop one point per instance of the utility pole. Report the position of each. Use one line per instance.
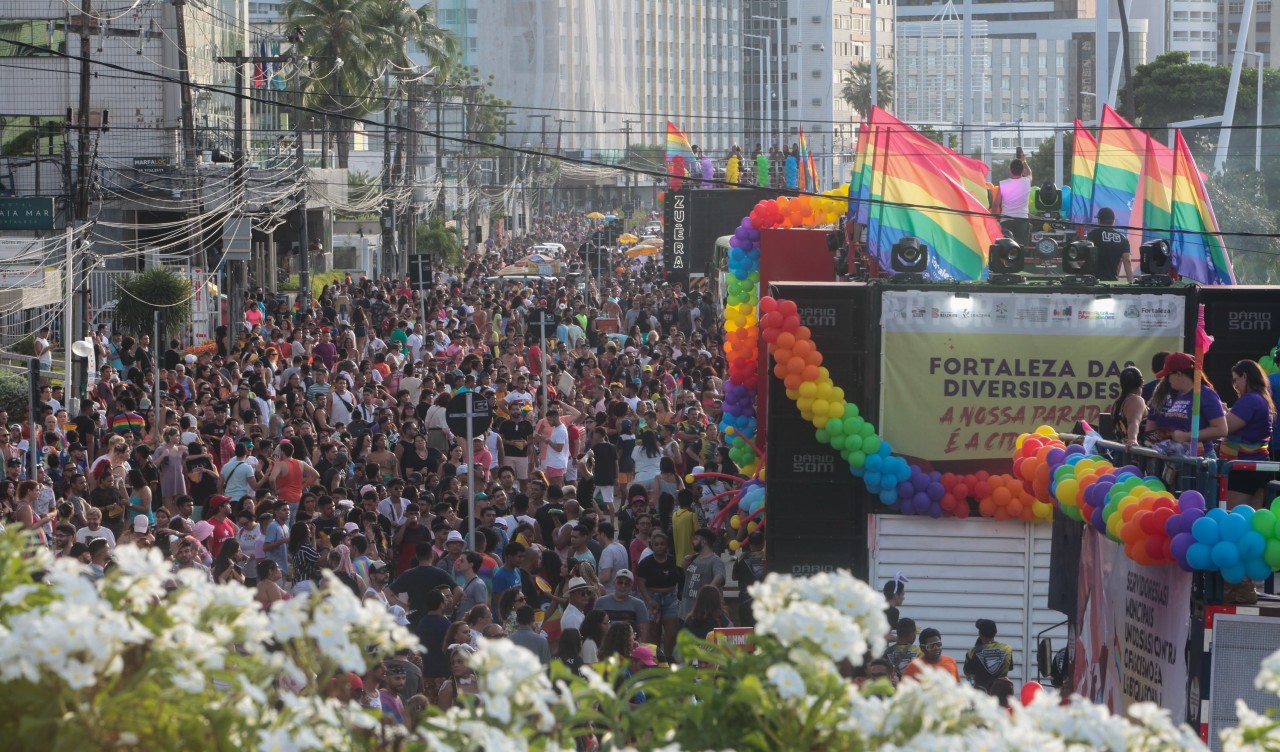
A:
(411, 176)
(540, 166)
(560, 137)
(79, 303)
(626, 159)
(184, 90)
(304, 234)
(388, 205)
(473, 176)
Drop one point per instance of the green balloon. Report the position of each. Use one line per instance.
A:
(867, 430)
(850, 411)
(1072, 511)
(837, 441)
(854, 441)
(1264, 522)
(1272, 554)
(871, 444)
(835, 426)
(822, 436)
(858, 459)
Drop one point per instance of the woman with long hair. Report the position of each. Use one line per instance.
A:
(619, 640)
(708, 613)
(224, 564)
(593, 629)
(648, 458)
(1249, 427)
(462, 678)
(569, 651)
(303, 555)
(139, 500)
(667, 481)
(269, 590)
(1129, 409)
(1171, 409)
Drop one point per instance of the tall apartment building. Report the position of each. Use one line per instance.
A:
(810, 45)
(1189, 26)
(1263, 35)
(1038, 67)
(590, 66)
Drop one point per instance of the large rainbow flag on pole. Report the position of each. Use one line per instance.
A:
(860, 180)
(1198, 250)
(679, 155)
(1118, 171)
(923, 189)
(1084, 158)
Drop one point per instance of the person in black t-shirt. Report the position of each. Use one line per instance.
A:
(422, 579)
(603, 457)
(1113, 248)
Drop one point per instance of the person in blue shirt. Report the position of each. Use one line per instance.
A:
(508, 575)
(1157, 365)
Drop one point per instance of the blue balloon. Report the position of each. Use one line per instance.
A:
(1217, 514)
(872, 479)
(1226, 554)
(1234, 573)
(1200, 556)
(1232, 527)
(1257, 569)
(1205, 530)
(1245, 511)
(875, 462)
(889, 496)
(1252, 544)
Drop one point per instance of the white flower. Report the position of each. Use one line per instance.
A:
(787, 680)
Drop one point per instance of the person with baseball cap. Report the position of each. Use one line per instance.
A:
(1171, 408)
(987, 660)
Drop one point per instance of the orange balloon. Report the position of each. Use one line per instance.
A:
(810, 373)
(796, 364)
(1001, 496)
(814, 359)
(780, 370)
(802, 347)
(804, 333)
(793, 381)
(781, 354)
(987, 508)
(786, 340)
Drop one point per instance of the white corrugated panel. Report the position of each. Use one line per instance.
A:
(965, 570)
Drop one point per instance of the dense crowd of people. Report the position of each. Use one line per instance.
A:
(313, 441)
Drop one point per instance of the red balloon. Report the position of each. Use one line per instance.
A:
(791, 324)
(1154, 548)
(787, 307)
(768, 304)
(1030, 691)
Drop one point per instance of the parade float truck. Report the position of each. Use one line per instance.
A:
(952, 374)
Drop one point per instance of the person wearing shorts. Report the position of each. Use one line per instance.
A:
(659, 577)
(516, 433)
(557, 444)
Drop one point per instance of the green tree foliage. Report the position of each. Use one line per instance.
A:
(437, 240)
(157, 289)
(1241, 205)
(353, 43)
(14, 395)
(952, 141)
(1042, 159)
(857, 87)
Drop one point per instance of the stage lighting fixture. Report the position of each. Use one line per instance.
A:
(1156, 257)
(1079, 258)
(1005, 257)
(1048, 198)
(909, 256)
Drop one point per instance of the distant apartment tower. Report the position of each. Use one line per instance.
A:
(1263, 35)
(1189, 26)
(811, 45)
(592, 65)
(929, 85)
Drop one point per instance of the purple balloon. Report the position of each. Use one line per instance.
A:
(755, 234)
(1191, 500)
(935, 491)
(905, 491)
(1131, 469)
(935, 511)
(935, 475)
(1075, 449)
(919, 480)
(746, 223)
(1179, 545)
(1098, 521)
(1056, 456)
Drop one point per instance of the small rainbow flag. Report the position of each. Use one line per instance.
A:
(808, 169)
(1084, 160)
(1198, 250)
(679, 155)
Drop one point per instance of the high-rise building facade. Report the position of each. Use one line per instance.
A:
(597, 69)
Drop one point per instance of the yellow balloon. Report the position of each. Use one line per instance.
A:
(1048, 431)
(794, 395)
(735, 522)
(1018, 442)
(749, 469)
(808, 389)
(835, 409)
(752, 527)
(804, 403)
(689, 479)
(823, 390)
(823, 374)
(729, 325)
(837, 394)
(819, 406)
(752, 472)
(819, 420)
(730, 430)
(734, 545)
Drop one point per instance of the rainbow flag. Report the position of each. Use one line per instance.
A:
(808, 169)
(860, 180)
(1084, 159)
(1198, 250)
(679, 155)
(910, 175)
(1157, 182)
(1118, 171)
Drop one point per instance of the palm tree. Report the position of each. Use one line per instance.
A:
(352, 43)
(857, 87)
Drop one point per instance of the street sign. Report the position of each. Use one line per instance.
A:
(542, 324)
(26, 213)
(469, 408)
(421, 275)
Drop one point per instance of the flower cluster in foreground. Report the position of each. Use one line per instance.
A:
(147, 660)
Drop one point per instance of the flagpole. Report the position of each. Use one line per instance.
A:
(1202, 344)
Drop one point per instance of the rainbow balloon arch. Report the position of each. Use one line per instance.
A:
(1153, 525)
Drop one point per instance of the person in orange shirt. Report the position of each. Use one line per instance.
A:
(931, 643)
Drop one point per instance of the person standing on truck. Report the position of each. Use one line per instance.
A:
(903, 651)
(987, 660)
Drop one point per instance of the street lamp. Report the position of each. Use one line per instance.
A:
(1257, 144)
(777, 23)
(766, 85)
